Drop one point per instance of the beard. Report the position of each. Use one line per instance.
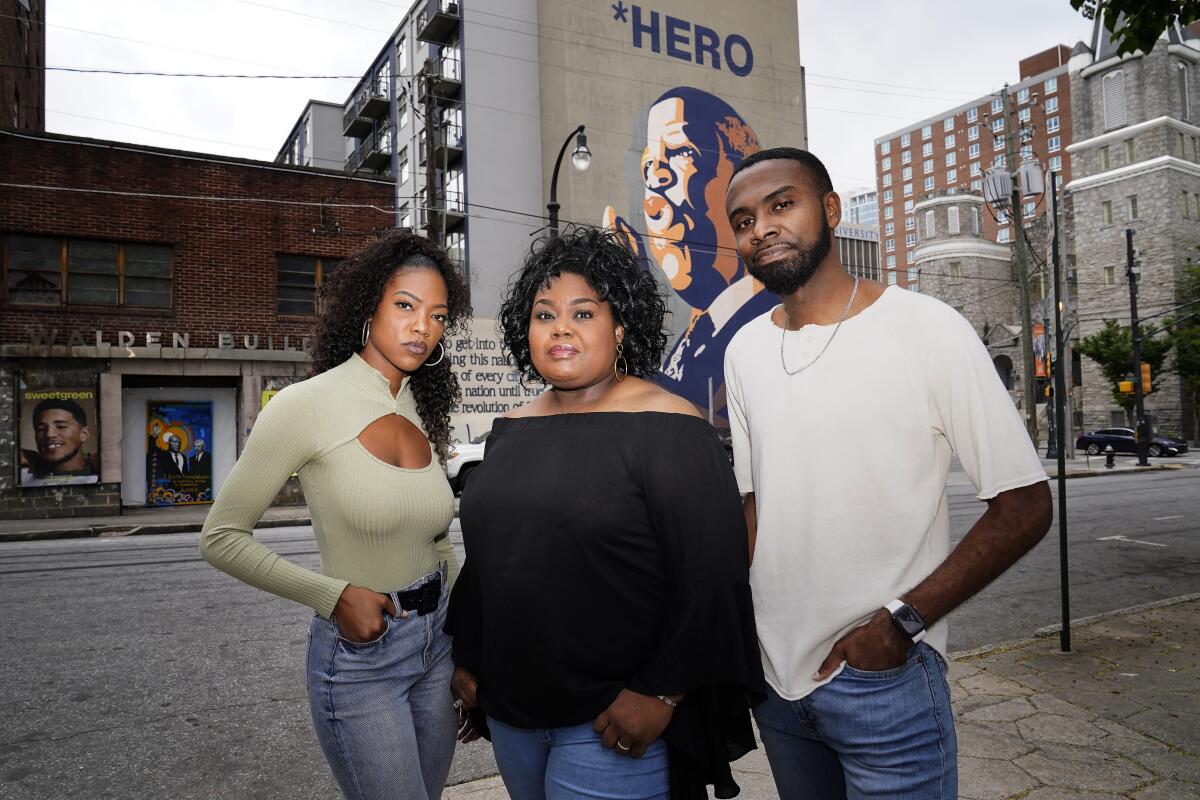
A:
(785, 275)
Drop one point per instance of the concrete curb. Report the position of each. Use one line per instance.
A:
(110, 531)
(1096, 473)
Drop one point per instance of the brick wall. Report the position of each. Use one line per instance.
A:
(224, 250)
(23, 42)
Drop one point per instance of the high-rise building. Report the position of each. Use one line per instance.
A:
(469, 106)
(858, 248)
(950, 152)
(1136, 166)
(861, 207)
(23, 50)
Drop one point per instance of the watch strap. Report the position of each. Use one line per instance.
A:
(897, 604)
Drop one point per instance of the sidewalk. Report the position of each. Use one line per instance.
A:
(142, 521)
(1117, 717)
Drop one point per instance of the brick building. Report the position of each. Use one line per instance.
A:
(950, 152)
(23, 48)
(135, 278)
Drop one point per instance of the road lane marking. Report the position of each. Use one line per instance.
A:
(1173, 516)
(1130, 541)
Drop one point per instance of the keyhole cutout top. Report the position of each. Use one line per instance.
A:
(396, 441)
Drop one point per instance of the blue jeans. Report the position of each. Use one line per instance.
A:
(866, 735)
(382, 709)
(572, 764)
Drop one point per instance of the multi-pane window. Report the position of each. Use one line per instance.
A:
(1110, 275)
(889, 229)
(913, 282)
(951, 176)
(997, 105)
(910, 223)
(886, 164)
(908, 190)
(927, 131)
(1105, 158)
(927, 149)
(402, 104)
(972, 114)
(1051, 105)
(975, 168)
(910, 257)
(887, 195)
(1106, 211)
(891, 262)
(51, 271)
(887, 179)
(1052, 124)
(977, 185)
(1030, 209)
(905, 138)
(972, 133)
(998, 161)
(891, 277)
(997, 125)
(456, 246)
(973, 150)
(1051, 85)
(1024, 114)
(948, 124)
(886, 147)
(455, 196)
(1056, 163)
(1027, 152)
(402, 55)
(404, 165)
(890, 245)
(998, 142)
(910, 239)
(405, 216)
(298, 278)
(1023, 95)
(1130, 151)
(1053, 144)
(927, 166)
(908, 206)
(888, 212)
(1003, 235)
(929, 183)
(951, 158)
(906, 156)
(1132, 206)
(906, 173)
(950, 141)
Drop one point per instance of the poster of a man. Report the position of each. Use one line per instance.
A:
(693, 142)
(173, 431)
(59, 440)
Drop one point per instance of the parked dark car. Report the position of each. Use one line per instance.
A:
(1123, 441)
(1179, 443)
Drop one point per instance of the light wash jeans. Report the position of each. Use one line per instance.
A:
(866, 735)
(382, 709)
(572, 764)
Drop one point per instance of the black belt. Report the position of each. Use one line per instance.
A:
(423, 599)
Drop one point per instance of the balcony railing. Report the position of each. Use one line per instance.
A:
(444, 76)
(438, 21)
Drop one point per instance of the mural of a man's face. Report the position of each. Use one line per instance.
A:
(174, 443)
(199, 446)
(677, 172)
(60, 439)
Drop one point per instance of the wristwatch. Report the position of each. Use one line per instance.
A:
(907, 620)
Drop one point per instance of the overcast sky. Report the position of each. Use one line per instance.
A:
(873, 66)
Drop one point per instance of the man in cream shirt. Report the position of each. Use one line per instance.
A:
(847, 403)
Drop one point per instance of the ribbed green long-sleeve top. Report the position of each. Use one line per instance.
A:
(376, 525)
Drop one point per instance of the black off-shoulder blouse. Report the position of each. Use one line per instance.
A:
(608, 551)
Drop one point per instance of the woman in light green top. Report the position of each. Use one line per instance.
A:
(367, 435)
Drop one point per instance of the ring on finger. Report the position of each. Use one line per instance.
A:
(623, 747)
(458, 704)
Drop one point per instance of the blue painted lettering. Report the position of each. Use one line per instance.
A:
(747, 60)
(707, 41)
(639, 28)
(677, 38)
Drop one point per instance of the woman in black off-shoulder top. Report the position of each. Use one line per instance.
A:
(603, 620)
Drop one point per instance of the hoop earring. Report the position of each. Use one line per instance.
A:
(366, 331)
(621, 372)
(441, 358)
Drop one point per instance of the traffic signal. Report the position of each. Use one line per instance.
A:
(1146, 386)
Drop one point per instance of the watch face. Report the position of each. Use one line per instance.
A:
(908, 620)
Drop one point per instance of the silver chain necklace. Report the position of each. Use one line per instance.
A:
(784, 333)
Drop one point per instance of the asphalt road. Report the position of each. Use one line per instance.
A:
(131, 669)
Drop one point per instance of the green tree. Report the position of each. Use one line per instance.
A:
(1112, 349)
(1142, 21)
(1184, 334)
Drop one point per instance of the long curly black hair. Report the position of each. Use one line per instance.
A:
(600, 258)
(349, 297)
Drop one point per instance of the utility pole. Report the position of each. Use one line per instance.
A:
(1017, 214)
(431, 132)
(1059, 429)
(1131, 272)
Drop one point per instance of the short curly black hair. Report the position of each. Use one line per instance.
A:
(600, 258)
(349, 297)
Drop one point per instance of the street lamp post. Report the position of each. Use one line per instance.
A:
(581, 157)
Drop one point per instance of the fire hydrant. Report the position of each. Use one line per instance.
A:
(1110, 457)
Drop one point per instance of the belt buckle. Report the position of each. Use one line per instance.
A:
(431, 592)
